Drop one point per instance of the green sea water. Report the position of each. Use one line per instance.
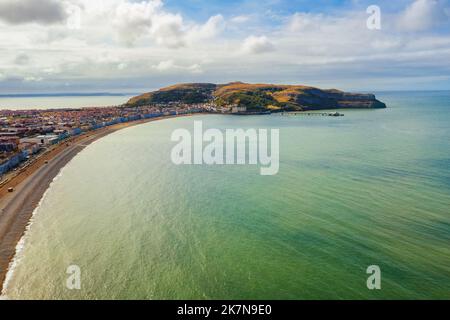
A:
(370, 188)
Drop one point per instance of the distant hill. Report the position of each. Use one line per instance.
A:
(258, 97)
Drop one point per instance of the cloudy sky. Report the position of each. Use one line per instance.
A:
(133, 46)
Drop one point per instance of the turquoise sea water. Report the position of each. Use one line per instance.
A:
(370, 188)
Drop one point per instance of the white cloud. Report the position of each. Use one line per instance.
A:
(171, 31)
(422, 15)
(122, 66)
(163, 46)
(240, 19)
(32, 79)
(165, 65)
(22, 59)
(49, 71)
(32, 11)
(167, 30)
(195, 68)
(171, 66)
(301, 21)
(132, 20)
(149, 20)
(386, 44)
(257, 45)
(209, 30)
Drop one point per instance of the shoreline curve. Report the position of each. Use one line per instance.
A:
(30, 185)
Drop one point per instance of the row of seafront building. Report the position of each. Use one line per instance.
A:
(24, 133)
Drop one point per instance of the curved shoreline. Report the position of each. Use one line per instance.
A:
(17, 208)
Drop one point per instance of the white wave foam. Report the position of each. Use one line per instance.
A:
(21, 244)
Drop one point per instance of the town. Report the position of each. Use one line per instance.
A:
(25, 134)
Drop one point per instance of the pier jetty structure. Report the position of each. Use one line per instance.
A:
(303, 113)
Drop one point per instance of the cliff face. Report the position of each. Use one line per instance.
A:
(259, 96)
(315, 99)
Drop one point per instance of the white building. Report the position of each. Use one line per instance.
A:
(42, 140)
(238, 109)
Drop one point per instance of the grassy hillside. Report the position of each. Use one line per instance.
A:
(259, 96)
(186, 93)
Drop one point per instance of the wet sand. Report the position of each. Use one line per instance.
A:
(30, 184)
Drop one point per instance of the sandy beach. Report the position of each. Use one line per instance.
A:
(30, 184)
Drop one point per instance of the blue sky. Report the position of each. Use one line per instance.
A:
(201, 9)
(126, 45)
(235, 7)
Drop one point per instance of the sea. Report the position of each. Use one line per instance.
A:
(371, 188)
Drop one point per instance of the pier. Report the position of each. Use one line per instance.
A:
(304, 113)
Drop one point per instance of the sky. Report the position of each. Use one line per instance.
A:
(136, 46)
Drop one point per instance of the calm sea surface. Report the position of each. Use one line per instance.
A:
(370, 188)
